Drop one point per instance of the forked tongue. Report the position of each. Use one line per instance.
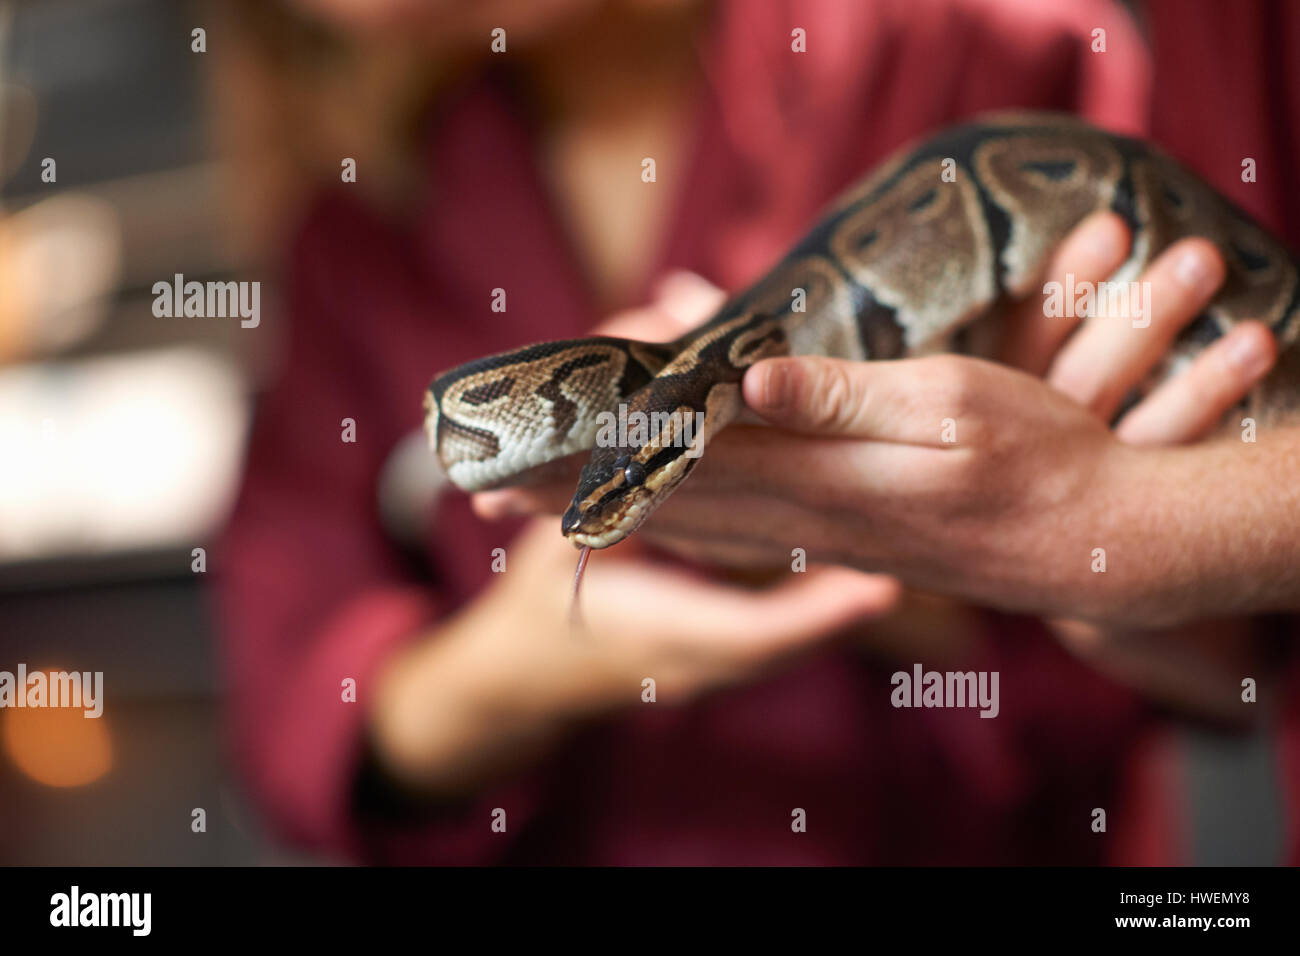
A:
(575, 610)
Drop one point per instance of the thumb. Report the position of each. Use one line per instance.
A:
(890, 401)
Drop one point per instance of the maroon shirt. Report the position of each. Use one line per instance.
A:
(313, 592)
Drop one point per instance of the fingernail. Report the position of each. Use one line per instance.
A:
(1193, 269)
(1247, 355)
(776, 386)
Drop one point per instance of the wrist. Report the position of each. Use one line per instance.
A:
(451, 709)
(1175, 551)
(1137, 562)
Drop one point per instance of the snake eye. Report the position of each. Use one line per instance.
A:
(634, 473)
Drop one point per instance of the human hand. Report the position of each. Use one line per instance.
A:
(499, 679)
(1097, 361)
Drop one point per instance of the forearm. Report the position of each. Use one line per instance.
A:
(451, 715)
(1209, 530)
(1222, 528)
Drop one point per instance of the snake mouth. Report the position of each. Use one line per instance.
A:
(598, 541)
(607, 527)
(595, 534)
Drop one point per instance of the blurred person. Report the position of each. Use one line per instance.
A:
(476, 704)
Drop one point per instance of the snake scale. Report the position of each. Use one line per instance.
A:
(941, 235)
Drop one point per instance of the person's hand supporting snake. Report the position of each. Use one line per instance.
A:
(858, 471)
(856, 474)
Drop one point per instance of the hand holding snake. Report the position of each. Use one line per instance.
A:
(744, 507)
(1258, 274)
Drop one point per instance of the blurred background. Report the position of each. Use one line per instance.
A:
(121, 442)
(121, 434)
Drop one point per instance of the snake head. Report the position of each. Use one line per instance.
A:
(651, 445)
(618, 489)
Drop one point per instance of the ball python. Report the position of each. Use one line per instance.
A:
(943, 234)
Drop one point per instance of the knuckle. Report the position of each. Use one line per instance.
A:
(837, 398)
(957, 384)
(1074, 379)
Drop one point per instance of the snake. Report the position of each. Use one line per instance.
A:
(940, 239)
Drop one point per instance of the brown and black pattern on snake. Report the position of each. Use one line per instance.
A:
(485, 418)
(621, 485)
(941, 237)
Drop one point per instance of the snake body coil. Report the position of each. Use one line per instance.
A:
(943, 234)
